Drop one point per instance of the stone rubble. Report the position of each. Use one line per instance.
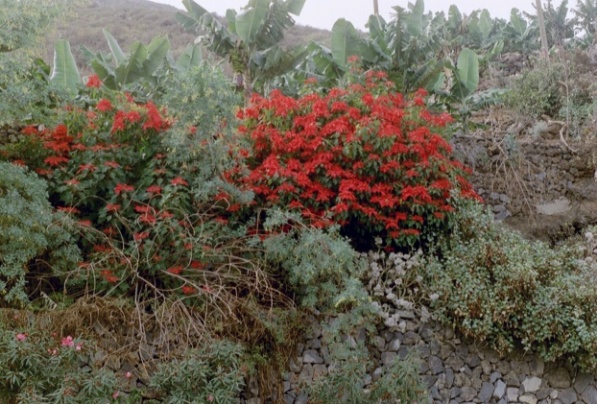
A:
(456, 371)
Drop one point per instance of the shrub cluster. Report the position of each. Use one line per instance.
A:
(562, 89)
(494, 285)
(32, 237)
(109, 170)
(362, 156)
(40, 368)
(214, 373)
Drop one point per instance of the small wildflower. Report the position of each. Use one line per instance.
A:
(68, 341)
(21, 337)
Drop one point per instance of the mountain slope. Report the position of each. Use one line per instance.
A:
(140, 20)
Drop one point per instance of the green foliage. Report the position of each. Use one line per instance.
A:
(559, 28)
(39, 368)
(586, 17)
(520, 35)
(142, 71)
(24, 93)
(494, 285)
(25, 96)
(214, 373)
(65, 73)
(202, 104)
(562, 89)
(27, 231)
(23, 22)
(320, 265)
(537, 92)
(399, 382)
(250, 39)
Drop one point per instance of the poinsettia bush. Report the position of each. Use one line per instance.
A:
(362, 156)
(107, 168)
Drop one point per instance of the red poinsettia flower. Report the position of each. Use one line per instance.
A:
(179, 181)
(93, 81)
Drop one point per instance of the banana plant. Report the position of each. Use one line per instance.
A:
(119, 70)
(460, 93)
(585, 14)
(520, 35)
(142, 70)
(249, 39)
(559, 27)
(65, 73)
(406, 48)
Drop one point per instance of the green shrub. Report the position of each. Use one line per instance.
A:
(492, 284)
(345, 382)
(319, 264)
(536, 92)
(28, 229)
(561, 89)
(202, 105)
(40, 368)
(362, 157)
(212, 374)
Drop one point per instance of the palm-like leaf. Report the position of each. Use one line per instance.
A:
(249, 22)
(65, 72)
(114, 47)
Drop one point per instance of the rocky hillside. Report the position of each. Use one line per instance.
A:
(140, 20)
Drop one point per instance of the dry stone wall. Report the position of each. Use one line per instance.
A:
(454, 370)
(541, 185)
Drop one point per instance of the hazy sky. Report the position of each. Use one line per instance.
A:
(323, 13)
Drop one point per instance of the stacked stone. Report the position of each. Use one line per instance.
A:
(454, 370)
(545, 170)
(9, 135)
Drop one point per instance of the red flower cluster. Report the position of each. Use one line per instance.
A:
(93, 81)
(363, 157)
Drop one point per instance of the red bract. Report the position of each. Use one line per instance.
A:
(54, 161)
(119, 188)
(367, 159)
(93, 81)
(179, 181)
(154, 189)
(104, 105)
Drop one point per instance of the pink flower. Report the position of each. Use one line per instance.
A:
(210, 398)
(78, 347)
(128, 375)
(115, 395)
(21, 337)
(68, 341)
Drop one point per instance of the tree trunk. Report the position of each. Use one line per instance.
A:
(542, 31)
(375, 7)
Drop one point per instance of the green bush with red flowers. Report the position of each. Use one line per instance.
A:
(361, 156)
(108, 168)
